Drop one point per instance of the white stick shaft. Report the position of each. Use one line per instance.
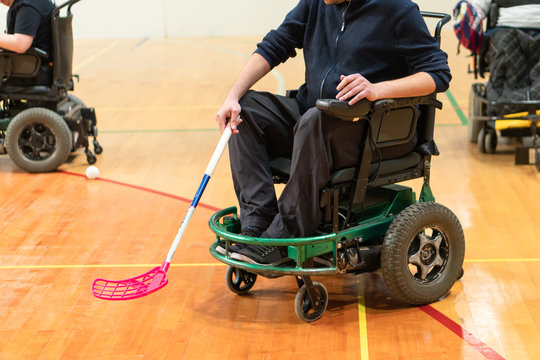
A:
(219, 151)
(208, 173)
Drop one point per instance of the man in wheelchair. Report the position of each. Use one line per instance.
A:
(29, 26)
(41, 122)
(353, 50)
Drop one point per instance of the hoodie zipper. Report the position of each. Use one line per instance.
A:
(343, 15)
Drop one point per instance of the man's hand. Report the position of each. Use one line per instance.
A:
(229, 113)
(356, 87)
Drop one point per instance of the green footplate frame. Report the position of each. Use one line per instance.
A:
(380, 208)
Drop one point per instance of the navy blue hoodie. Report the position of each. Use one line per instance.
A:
(379, 39)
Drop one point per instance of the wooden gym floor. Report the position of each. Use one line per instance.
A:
(156, 101)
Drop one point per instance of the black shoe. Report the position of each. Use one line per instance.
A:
(260, 255)
(220, 248)
(252, 231)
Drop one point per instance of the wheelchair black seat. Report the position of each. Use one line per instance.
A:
(281, 168)
(396, 128)
(401, 128)
(27, 90)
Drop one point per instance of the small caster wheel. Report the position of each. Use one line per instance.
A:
(239, 281)
(90, 158)
(97, 148)
(481, 143)
(487, 140)
(490, 141)
(307, 310)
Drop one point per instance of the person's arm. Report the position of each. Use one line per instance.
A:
(253, 71)
(18, 43)
(276, 47)
(427, 63)
(355, 87)
(24, 30)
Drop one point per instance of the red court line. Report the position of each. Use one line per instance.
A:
(209, 207)
(469, 338)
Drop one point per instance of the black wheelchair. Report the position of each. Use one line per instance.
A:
(508, 104)
(369, 221)
(41, 125)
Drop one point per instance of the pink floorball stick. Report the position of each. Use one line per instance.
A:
(156, 278)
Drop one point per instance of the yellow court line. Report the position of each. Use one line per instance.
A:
(210, 264)
(362, 324)
(96, 55)
(501, 260)
(102, 266)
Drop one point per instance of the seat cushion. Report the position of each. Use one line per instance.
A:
(28, 90)
(282, 166)
(387, 167)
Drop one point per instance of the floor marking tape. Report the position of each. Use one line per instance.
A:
(362, 324)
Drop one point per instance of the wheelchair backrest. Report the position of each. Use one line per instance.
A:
(396, 126)
(62, 44)
(398, 119)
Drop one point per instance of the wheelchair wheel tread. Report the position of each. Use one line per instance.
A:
(239, 281)
(38, 140)
(422, 254)
(490, 141)
(303, 306)
(481, 141)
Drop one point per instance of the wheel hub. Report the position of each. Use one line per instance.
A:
(37, 141)
(427, 259)
(427, 254)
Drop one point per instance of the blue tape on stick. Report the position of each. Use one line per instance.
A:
(200, 190)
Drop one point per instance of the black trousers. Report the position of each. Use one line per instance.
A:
(275, 126)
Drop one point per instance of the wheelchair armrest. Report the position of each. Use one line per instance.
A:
(344, 111)
(402, 102)
(37, 52)
(25, 65)
(32, 51)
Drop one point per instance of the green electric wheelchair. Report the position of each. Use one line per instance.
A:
(369, 221)
(41, 125)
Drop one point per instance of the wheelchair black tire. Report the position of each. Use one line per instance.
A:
(401, 242)
(74, 99)
(302, 305)
(56, 128)
(239, 281)
(490, 141)
(487, 140)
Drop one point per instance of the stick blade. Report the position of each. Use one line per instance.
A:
(132, 288)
